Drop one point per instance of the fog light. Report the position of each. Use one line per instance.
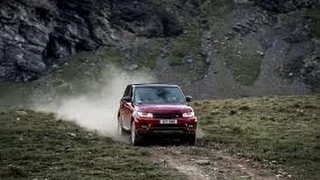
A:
(144, 126)
(191, 125)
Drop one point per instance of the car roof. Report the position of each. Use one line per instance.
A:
(154, 85)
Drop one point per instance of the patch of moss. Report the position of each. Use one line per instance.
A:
(195, 15)
(189, 42)
(245, 64)
(187, 45)
(153, 53)
(79, 73)
(216, 9)
(283, 17)
(111, 55)
(87, 66)
(146, 53)
(211, 14)
(317, 91)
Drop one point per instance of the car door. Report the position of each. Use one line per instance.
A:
(126, 108)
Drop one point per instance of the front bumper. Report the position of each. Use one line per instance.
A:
(153, 126)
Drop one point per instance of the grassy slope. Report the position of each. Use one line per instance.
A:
(80, 74)
(285, 130)
(38, 146)
(278, 131)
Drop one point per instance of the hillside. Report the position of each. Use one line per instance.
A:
(268, 138)
(213, 48)
(278, 132)
(253, 67)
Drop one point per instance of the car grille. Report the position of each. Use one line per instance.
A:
(167, 116)
(169, 128)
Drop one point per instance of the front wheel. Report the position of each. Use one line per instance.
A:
(135, 138)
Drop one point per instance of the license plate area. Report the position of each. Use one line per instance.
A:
(168, 121)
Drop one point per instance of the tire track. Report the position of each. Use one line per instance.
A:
(207, 164)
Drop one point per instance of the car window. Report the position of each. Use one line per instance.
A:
(158, 95)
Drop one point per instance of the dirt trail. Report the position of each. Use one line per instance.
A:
(200, 163)
(191, 171)
(204, 162)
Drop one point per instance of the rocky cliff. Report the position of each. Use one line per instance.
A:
(284, 6)
(213, 48)
(35, 34)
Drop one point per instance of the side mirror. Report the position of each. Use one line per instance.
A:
(188, 98)
(126, 99)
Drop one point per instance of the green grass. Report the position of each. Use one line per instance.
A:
(244, 63)
(216, 9)
(211, 16)
(188, 43)
(145, 53)
(38, 146)
(195, 14)
(89, 64)
(81, 73)
(245, 66)
(282, 129)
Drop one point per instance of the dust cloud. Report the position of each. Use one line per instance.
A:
(97, 108)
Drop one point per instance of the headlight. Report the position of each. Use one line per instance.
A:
(188, 114)
(144, 114)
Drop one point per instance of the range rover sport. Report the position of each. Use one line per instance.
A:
(148, 110)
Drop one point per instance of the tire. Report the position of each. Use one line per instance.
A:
(191, 139)
(120, 129)
(135, 138)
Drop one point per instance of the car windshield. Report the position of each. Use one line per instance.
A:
(158, 95)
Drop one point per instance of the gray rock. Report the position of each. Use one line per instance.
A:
(134, 16)
(34, 35)
(285, 5)
(243, 29)
(69, 149)
(131, 67)
(311, 73)
(295, 29)
(295, 57)
(72, 134)
(203, 162)
(22, 113)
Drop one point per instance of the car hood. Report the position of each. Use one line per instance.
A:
(165, 108)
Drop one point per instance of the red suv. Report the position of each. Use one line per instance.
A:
(156, 109)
